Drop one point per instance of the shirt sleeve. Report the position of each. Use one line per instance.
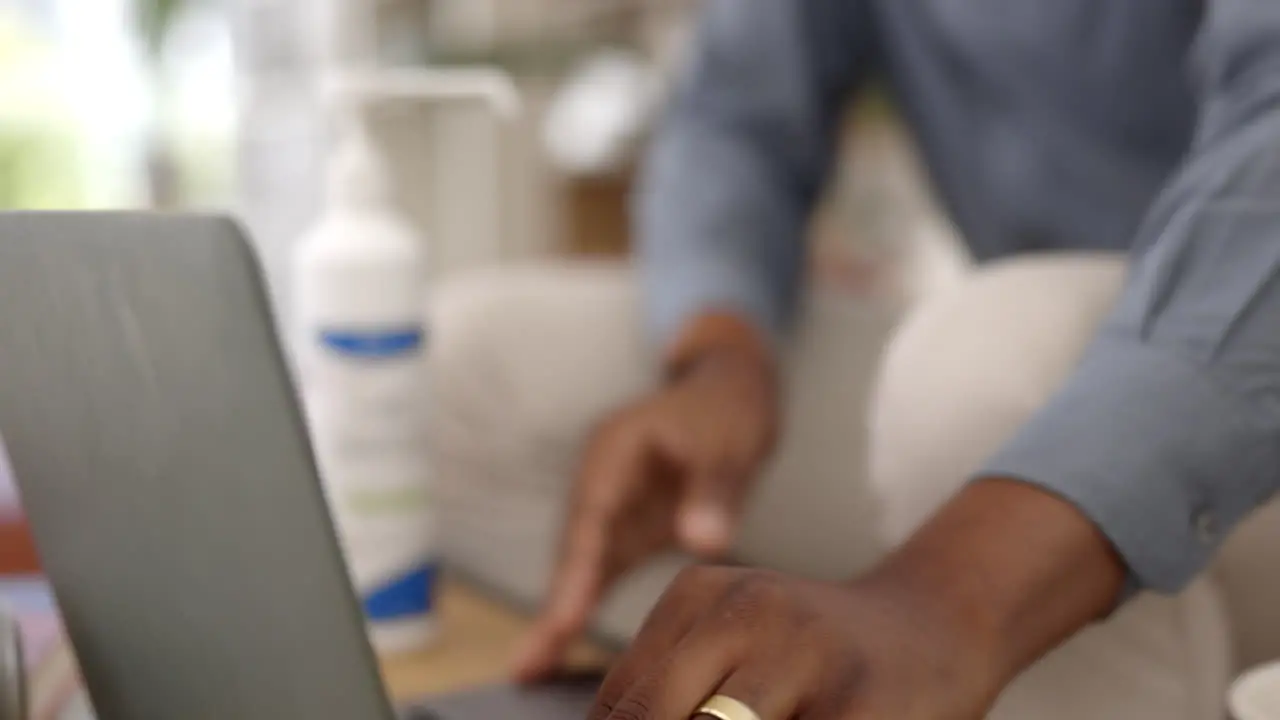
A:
(1169, 432)
(742, 155)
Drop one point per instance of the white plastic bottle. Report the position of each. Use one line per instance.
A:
(360, 313)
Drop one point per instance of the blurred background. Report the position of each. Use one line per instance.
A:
(228, 104)
(511, 131)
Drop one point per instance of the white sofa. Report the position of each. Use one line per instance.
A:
(526, 360)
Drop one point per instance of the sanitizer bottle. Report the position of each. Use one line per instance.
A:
(360, 309)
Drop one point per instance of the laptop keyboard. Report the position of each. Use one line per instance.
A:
(417, 713)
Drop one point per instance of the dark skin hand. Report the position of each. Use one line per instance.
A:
(671, 470)
(1003, 574)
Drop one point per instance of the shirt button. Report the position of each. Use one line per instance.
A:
(1206, 527)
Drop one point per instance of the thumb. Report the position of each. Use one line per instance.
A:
(610, 473)
(568, 609)
(708, 516)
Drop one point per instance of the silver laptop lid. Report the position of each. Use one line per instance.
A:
(163, 463)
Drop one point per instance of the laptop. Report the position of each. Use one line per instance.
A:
(165, 468)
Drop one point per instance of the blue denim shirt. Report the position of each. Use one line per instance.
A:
(1046, 124)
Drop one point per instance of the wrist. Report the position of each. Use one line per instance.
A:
(1012, 569)
(724, 366)
(721, 342)
(951, 623)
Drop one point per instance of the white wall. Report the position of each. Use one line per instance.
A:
(279, 48)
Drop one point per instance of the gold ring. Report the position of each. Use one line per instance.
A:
(723, 707)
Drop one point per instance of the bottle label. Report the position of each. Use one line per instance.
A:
(374, 343)
(404, 596)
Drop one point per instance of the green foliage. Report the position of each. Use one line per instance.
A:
(40, 158)
(155, 17)
(39, 169)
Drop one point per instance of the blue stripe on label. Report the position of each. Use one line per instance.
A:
(374, 343)
(404, 596)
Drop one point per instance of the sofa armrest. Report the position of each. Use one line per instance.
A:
(523, 362)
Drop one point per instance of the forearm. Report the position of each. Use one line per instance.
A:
(1165, 436)
(1016, 569)
(740, 158)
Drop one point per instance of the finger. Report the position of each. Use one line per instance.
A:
(585, 568)
(686, 600)
(708, 514)
(737, 647)
(575, 590)
(566, 615)
(773, 689)
(711, 493)
(676, 683)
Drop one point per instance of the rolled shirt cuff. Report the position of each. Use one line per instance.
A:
(1154, 452)
(675, 297)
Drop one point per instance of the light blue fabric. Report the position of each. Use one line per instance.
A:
(1047, 125)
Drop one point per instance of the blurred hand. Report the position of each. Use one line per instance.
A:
(803, 650)
(671, 469)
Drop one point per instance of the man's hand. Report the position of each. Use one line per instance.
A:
(673, 468)
(1004, 573)
(791, 648)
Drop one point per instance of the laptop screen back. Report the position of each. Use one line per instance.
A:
(163, 463)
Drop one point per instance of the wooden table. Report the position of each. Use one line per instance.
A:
(477, 637)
